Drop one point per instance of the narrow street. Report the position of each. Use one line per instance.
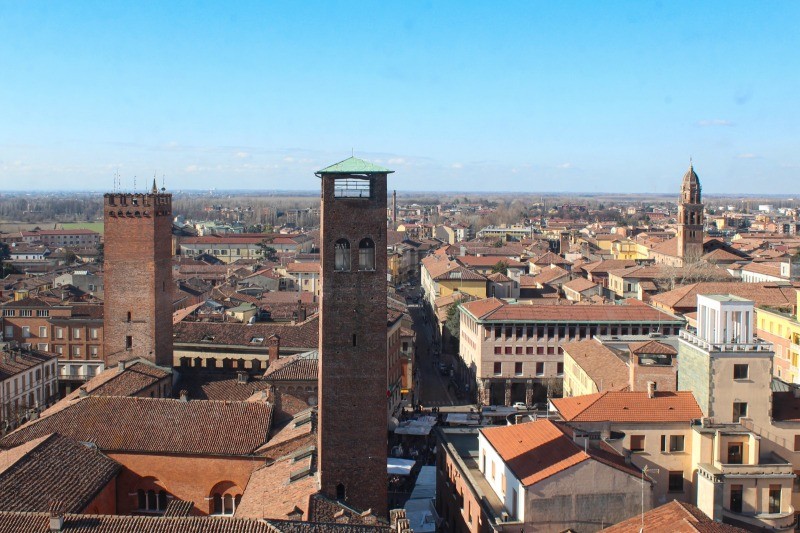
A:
(434, 391)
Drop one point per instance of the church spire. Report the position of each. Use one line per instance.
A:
(155, 187)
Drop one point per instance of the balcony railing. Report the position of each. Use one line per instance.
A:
(759, 346)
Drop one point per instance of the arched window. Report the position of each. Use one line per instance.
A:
(366, 254)
(227, 500)
(162, 500)
(340, 492)
(342, 256)
(217, 504)
(142, 499)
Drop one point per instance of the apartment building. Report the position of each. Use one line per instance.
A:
(28, 383)
(514, 351)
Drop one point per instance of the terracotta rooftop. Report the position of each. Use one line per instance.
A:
(304, 335)
(767, 269)
(495, 310)
(550, 258)
(76, 523)
(12, 364)
(130, 381)
(218, 386)
(475, 261)
(652, 347)
(459, 273)
(626, 406)
(155, 425)
(673, 517)
(298, 367)
(579, 285)
(684, 298)
(311, 268)
(279, 489)
(603, 267)
(600, 363)
(50, 468)
(546, 275)
(534, 451)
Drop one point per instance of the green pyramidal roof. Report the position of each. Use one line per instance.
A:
(354, 165)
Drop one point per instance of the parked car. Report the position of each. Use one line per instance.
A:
(520, 406)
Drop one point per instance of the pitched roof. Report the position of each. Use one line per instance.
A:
(627, 406)
(11, 522)
(498, 277)
(579, 285)
(548, 275)
(652, 347)
(488, 261)
(673, 517)
(550, 258)
(768, 293)
(218, 386)
(354, 165)
(298, 367)
(480, 308)
(155, 425)
(132, 379)
(304, 335)
(534, 451)
(460, 273)
(311, 268)
(12, 364)
(600, 363)
(608, 265)
(279, 489)
(53, 468)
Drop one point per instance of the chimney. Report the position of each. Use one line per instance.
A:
(651, 389)
(301, 311)
(121, 366)
(82, 392)
(274, 349)
(56, 516)
(184, 395)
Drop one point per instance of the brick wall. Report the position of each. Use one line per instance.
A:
(138, 277)
(353, 360)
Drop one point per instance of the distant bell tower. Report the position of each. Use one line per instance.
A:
(138, 276)
(690, 219)
(352, 336)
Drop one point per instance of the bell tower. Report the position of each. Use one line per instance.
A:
(352, 339)
(690, 219)
(137, 307)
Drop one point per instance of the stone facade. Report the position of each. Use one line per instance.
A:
(138, 277)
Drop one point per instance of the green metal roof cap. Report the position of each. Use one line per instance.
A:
(354, 165)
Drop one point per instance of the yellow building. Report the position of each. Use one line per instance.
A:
(628, 249)
(782, 329)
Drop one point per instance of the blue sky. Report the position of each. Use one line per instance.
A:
(466, 96)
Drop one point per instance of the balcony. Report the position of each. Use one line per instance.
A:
(777, 521)
(758, 346)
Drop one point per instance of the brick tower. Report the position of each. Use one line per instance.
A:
(138, 277)
(690, 219)
(352, 338)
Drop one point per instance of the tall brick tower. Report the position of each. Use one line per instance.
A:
(138, 277)
(690, 219)
(352, 337)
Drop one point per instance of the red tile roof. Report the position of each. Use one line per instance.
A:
(673, 517)
(684, 298)
(600, 363)
(626, 406)
(534, 451)
(155, 425)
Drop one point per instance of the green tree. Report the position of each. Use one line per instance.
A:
(453, 323)
(500, 266)
(5, 254)
(267, 252)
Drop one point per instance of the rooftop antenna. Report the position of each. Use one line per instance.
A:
(163, 187)
(352, 152)
(134, 183)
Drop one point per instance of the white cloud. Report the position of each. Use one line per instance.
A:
(565, 165)
(714, 122)
(241, 155)
(457, 165)
(748, 156)
(397, 161)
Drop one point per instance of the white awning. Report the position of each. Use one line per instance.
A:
(399, 467)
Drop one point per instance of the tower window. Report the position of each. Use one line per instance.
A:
(340, 492)
(355, 342)
(129, 316)
(128, 342)
(352, 188)
(342, 256)
(366, 254)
